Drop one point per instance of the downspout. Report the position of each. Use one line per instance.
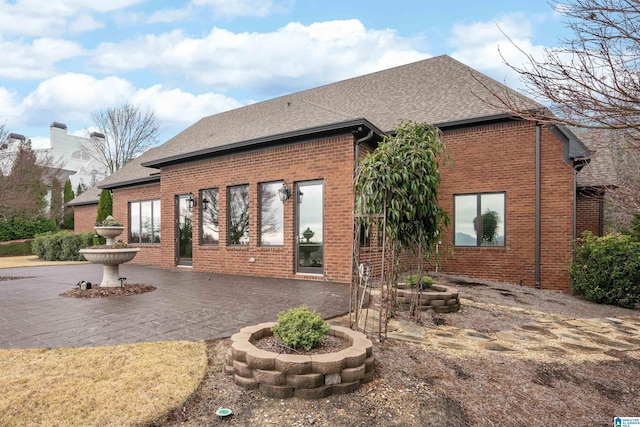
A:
(575, 211)
(537, 210)
(360, 141)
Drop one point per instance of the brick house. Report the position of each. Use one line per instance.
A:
(209, 198)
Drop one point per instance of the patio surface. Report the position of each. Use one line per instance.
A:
(186, 305)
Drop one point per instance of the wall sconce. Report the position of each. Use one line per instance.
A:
(205, 203)
(191, 202)
(284, 193)
(300, 195)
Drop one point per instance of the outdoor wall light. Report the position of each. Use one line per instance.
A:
(284, 193)
(300, 194)
(191, 202)
(205, 203)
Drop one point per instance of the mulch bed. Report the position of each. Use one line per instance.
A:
(330, 344)
(5, 278)
(98, 292)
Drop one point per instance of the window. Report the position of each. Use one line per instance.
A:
(271, 215)
(238, 215)
(479, 219)
(144, 222)
(209, 205)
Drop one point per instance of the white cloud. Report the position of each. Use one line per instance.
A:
(53, 17)
(235, 8)
(168, 15)
(85, 23)
(37, 59)
(485, 46)
(175, 107)
(293, 57)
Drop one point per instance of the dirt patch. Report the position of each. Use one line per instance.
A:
(107, 292)
(330, 344)
(418, 385)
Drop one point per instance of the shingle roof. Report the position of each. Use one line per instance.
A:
(601, 171)
(438, 90)
(90, 196)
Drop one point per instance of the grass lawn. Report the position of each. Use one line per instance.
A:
(129, 384)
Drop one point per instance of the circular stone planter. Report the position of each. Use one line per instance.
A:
(305, 376)
(439, 298)
(109, 232)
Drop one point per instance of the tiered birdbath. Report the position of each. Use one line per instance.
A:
(110, 255)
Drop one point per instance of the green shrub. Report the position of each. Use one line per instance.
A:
(18, 228)
(62, 246)
(606, 269)
(16, 248)
(300, 328)
(427, 281)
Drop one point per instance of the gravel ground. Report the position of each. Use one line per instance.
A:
(418, 385)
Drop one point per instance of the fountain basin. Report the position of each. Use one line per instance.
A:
(110, 260)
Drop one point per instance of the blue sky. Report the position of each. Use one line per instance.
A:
(64, 59)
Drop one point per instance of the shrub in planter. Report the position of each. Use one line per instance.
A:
(300, 328)
(606, 269)
(427, 281)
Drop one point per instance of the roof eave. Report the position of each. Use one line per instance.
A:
(152, 179)
(283, 138)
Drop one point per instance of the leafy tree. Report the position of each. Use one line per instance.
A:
(55, 209)
(105, 205)
(490, 220)
(67, 217)
(400, 181)
(23, 191)
(124, 132)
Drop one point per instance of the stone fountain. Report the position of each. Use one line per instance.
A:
(111, 255)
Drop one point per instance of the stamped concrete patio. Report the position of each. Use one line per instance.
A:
(187, 305)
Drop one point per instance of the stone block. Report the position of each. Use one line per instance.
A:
(242, 369)
(436, 303)
(314, 393)
(353, 357)
(331, 379)
(305, 381)
(240, 337)
(277, 391)
(293, 364)
(352, 374)
(261, 359)
(246, 383)
(228, 369)
(329, 363)
(269, 377)
(369, 363)
(368, 377)
(228, 357)
(239, 350)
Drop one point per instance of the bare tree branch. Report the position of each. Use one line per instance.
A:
(593, 79)
(124, 133)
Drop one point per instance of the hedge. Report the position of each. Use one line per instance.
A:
(606, 269)
(62, 246)
(18, 228)
(22, 247)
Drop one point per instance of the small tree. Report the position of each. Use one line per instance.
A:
(105, 205)
(67, 216)
(400, 181)
(124, 132)
(81, 188)
(55, 209)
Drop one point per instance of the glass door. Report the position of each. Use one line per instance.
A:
(310, 227)
(184, 232)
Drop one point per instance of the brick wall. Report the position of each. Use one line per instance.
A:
(588, 212)
(330, 159)
(150, 254)
(84, 218)
(501, 158)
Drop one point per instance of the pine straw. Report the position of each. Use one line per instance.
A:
(131, 384)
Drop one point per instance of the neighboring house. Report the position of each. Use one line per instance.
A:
(85, 209)
(209, 197)
(70, 151)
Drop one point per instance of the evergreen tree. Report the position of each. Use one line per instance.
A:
(23, 190)
(81, 188)
(67, 216)
(105, 205)
(55, 209)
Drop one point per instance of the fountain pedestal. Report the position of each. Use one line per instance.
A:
(110, 257)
